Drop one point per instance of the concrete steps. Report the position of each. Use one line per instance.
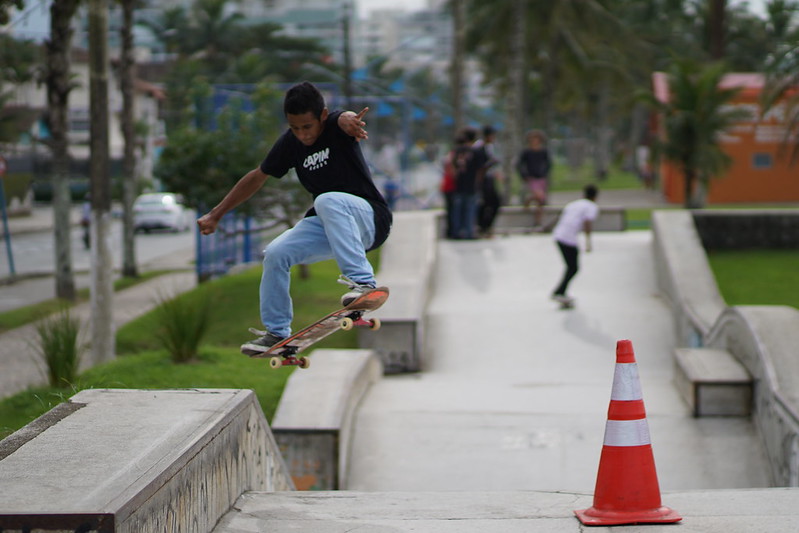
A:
(125, 461)
(732, 511)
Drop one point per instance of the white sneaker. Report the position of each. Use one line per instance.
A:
(355, 292)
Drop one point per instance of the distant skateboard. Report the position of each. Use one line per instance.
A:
(284, 353)
(565, 302)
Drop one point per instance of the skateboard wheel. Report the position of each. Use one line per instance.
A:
(346, 324)
(374, 324)
(303, 362)
(275, 362)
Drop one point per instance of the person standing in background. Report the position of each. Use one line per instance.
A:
(534, 166)
(468, 172)
(489, 197)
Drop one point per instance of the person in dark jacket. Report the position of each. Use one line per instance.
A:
(534, 167)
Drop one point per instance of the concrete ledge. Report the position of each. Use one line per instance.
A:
(517, 219)
(406, 267)
(313, 421)
(136, 460)
(713, 382)
(764, 338)
(719, 511)
(684, 276)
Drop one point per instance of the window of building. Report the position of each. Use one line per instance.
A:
(762, 160)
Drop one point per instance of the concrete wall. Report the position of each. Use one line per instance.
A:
(684, 276)
(407, 261)
(135, 460)
(313, 421)
(762, 338)
(734, 229)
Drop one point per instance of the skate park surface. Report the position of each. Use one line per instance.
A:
(502, 428)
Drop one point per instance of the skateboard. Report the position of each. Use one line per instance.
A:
(565, 302)
(284, 353)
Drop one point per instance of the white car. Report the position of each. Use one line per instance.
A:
(161, 210)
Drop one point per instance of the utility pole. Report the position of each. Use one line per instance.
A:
(102, 289)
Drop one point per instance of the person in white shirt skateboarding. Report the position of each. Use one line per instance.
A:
(577, 215)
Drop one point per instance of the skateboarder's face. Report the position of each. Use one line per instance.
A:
(306, 127)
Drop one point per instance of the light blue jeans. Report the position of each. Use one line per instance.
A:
(343, 230)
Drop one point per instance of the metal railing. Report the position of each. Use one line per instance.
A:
(237, 240)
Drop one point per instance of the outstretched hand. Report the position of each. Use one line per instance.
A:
(353, 125)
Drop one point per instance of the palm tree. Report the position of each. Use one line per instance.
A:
(694, 116)
(102, 293)
(459, 28)
(128, 118)
(554, 49)
(213, 33)
(783, 71)
(59, 85)
(170, 27)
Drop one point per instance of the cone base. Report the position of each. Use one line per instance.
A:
(598, 517)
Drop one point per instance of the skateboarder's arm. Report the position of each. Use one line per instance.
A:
(587, 230)
(241, 191)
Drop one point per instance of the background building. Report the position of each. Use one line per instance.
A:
(761, 170)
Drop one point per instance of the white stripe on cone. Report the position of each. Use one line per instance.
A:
(626, 385)
(627, 433)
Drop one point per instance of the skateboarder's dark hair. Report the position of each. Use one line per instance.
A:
(590, 191)
(303, 98)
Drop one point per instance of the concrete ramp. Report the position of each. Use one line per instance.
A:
(136, 461)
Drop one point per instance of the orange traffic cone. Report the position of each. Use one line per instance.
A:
(627, 490)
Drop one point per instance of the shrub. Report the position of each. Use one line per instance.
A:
(183, 322)
(59, 348)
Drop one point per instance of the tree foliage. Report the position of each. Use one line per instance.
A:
(5, 6)
(203, 161)
(783, 72)
(695, 116)
(19, 62)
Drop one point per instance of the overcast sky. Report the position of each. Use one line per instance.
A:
(364, 6)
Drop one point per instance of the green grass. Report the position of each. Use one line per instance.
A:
(756, 277)
(565, 178)
(143, 364)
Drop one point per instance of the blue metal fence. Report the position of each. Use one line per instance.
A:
(237, 240)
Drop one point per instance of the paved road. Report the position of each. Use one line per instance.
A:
(33, 251)
(514, 392)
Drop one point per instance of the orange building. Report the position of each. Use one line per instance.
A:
(760, 170)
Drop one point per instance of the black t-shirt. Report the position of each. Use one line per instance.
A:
(534, 163)
(334, 163)
(469, 163)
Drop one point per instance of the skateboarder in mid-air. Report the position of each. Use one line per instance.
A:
(349, 215)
